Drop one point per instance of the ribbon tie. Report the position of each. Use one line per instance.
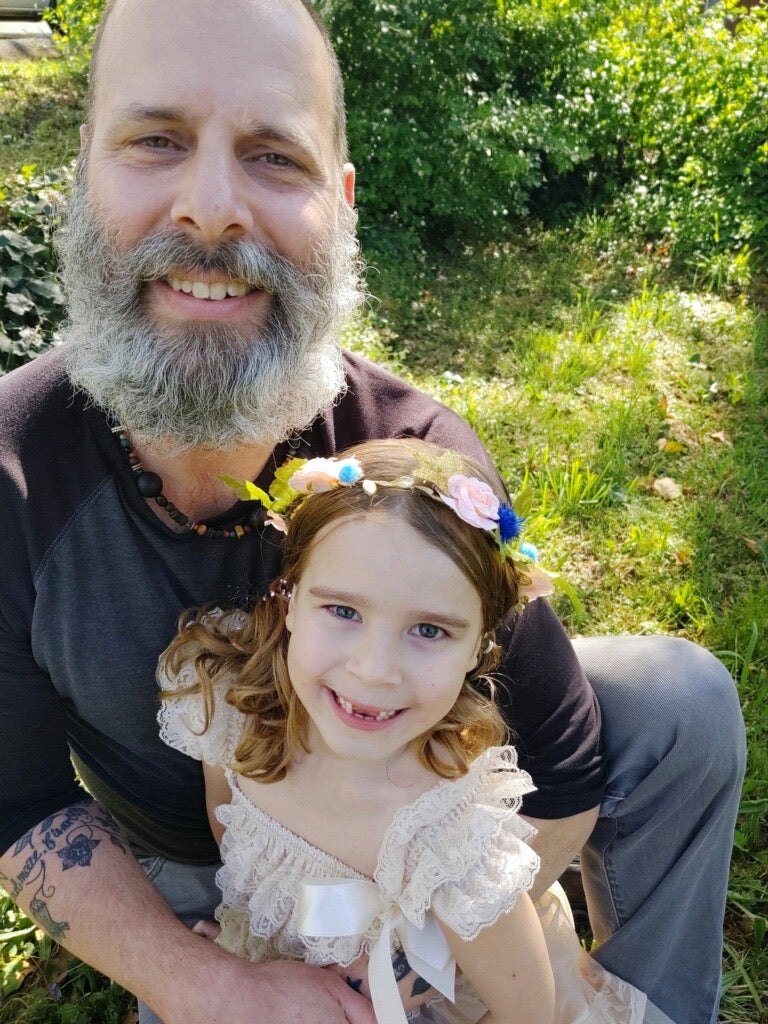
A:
(348, 906)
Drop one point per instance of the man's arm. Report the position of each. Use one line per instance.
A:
(557, 842)
(75, 876)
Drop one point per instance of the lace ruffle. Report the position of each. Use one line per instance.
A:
(263, 865)
(182, 721)
(461, 848)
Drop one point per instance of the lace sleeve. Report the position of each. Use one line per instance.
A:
(182, 719)
(462, 847)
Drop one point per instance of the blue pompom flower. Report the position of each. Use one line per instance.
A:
(510, 523)
(529, 551)
(350, 471)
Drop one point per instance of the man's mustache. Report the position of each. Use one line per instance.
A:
(173, 254)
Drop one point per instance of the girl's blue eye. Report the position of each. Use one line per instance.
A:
(342, 611)
(427, 631)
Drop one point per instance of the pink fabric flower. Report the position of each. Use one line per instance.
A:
(473, 501)
(319, 475)
(276, 522)
(315, 476)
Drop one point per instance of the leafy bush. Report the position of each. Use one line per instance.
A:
(31, 300)
(75, 22)
(463, 118)
(457, 114)
(681, 111)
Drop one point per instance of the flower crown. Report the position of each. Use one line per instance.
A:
(439, 477)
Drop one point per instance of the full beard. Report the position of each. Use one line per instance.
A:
(205, 385)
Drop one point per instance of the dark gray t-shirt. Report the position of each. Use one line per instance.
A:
(92, 583)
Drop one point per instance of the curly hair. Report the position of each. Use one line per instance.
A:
(243, 659)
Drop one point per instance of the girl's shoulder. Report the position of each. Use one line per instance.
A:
(462, 847)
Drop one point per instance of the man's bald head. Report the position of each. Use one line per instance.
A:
(337, 84)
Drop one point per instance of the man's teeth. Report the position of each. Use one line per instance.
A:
(350, 709)
(217, 290)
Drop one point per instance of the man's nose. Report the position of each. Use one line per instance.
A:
(212, 200)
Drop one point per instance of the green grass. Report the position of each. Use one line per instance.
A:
(591, 372)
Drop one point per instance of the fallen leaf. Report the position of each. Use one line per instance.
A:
(667, 488)
(683, 557)
(666, 444)
(722, 438)
(758, 548)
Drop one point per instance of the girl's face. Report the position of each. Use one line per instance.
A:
(384, 628)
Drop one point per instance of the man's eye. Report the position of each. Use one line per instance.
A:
(343, 611)
(278, 160)
(157, 142)
(427, 631)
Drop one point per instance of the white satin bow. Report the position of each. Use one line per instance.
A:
(348, 906)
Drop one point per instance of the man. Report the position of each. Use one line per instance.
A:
(209, 261)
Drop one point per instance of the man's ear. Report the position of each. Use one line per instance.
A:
(349, 183)
(85, 137)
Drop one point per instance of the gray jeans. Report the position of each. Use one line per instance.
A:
(656, 866)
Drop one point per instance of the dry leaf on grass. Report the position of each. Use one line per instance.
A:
(667, 488)
(722, 438)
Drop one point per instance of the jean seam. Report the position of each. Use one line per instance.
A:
(610, 876)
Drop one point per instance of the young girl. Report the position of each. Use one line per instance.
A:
(355, 775)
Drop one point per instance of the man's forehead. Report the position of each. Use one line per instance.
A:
(240, 44)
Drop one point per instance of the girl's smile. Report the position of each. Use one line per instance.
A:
(359, 716)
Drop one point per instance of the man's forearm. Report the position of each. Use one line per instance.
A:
(557, 842)
(77, 879)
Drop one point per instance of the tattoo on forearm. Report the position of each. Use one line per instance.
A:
(72, 835)
(402, 969)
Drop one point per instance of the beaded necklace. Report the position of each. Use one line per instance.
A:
(150, 486)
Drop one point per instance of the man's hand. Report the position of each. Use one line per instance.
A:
(281, 992)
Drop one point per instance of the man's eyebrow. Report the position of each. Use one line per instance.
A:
(140, 112)
(301, 140)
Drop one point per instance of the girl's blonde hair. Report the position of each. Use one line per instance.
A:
(246, 664)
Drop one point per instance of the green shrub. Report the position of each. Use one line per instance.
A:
(75, 22)
(681, 124)
(463, 118)
(31, 299)
(457, 113)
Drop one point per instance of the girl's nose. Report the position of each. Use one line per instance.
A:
(375, 661)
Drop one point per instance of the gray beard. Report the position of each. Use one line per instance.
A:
(205, 385)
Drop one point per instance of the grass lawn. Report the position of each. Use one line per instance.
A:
(631, 403)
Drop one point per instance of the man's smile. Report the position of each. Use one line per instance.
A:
(215, 290)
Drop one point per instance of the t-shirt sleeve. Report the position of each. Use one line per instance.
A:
(553, 714)
(36, 772)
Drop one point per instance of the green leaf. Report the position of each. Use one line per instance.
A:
(18, 303)
(48, 290)
(246, 491)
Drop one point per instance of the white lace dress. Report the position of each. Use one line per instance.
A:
(460, 849)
